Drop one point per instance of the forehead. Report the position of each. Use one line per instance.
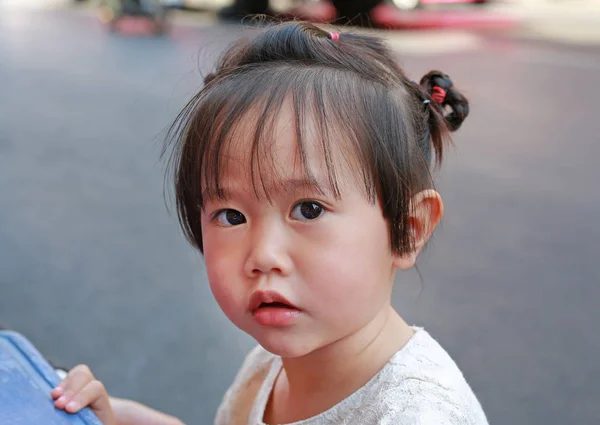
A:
(284, 150)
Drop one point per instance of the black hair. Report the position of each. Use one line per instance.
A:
(351, 87)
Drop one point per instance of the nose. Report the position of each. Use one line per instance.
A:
(268, 253)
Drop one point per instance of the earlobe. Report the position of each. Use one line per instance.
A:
(425, 212)
(405, 261)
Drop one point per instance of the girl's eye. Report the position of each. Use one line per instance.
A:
(230, 218)
(307, 210)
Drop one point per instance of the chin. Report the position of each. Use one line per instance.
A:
(284, 343)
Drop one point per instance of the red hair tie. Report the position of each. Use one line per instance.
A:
(438, 95)
(335, 36)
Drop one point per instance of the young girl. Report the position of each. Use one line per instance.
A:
(302, 173)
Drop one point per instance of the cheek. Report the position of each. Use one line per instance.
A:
(353, 269)
(221, 270)
(217, 280)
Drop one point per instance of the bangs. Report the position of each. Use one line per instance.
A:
(245, 131)
(241, 111)
(237, 112)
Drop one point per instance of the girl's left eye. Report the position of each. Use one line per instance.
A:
(307, 210)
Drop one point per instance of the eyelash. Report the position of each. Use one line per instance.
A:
(216, 214)
(310, 201)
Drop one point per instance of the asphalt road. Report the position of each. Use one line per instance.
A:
(93, 268)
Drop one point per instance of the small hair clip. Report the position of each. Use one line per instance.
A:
(426, 102)
(334, 36)
(438, 95)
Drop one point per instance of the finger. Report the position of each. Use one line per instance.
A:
(57, 391)
(76, 380)
(90, 395)
(94, 396)
(60, 388)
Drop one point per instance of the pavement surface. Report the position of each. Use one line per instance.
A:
(93, 268)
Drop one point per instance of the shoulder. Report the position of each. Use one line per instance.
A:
(239, 398)
(422, 402)
(427, 387)
(424, 359)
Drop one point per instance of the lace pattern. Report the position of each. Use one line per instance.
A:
(420, 384)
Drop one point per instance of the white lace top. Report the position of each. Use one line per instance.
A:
(420, 384)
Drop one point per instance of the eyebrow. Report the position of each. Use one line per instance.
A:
(302, 183)
(287, 185)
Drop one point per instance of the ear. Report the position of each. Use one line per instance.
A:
(425, 212)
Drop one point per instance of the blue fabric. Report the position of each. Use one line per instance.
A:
(26, 380)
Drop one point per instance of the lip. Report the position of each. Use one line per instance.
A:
(268, 297)
(278, 315)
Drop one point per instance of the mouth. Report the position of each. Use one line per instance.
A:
(275, 305)
(269, 300)
(270, 308)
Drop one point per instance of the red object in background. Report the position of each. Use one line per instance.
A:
(459, 1)
(412, 4)
(133, 26)
(389, 16)
(448, 1)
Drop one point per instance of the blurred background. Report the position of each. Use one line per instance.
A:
(94, 269)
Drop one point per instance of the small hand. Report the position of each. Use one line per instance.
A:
(80, 389)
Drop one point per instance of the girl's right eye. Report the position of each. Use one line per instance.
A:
(230, 217)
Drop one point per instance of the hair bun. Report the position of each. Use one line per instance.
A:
(454, 99)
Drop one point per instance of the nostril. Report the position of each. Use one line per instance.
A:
(259, 271)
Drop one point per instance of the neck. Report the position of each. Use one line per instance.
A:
(339, 369)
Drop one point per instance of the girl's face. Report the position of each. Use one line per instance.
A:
(303, 269)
